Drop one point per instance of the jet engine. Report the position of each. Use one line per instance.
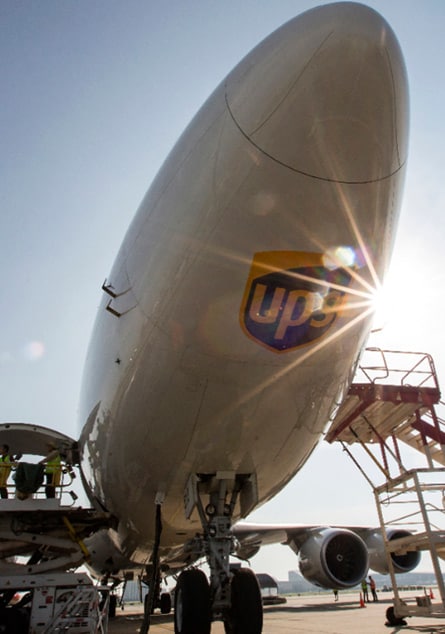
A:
(105, 558)
(377, 559)
(333, 558)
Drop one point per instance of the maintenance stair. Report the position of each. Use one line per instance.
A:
(389, 411)
(393, 397)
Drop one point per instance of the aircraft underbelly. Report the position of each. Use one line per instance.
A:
(241, 296)
(264, 421)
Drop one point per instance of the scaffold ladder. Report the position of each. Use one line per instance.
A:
(391, 405)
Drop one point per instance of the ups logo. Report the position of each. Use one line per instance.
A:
(291, 299)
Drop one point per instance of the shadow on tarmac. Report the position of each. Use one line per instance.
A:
(428, 629)
(337, 606)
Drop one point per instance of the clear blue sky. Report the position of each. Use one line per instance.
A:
(94, 94)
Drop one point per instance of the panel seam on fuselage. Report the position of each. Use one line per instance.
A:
(302, 172)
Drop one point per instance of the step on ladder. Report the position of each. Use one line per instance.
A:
(390, 407)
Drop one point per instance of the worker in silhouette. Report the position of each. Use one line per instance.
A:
(373, 589)
(5, 470)
(365, 591)
(53, 470)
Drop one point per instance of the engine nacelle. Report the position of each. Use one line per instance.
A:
(246, 552)
(333, 558)
(377, 558)
(105, 558)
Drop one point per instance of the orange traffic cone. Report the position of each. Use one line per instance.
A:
(362, 603)
(431, 594)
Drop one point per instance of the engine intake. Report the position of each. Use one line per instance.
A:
(377, 559)
(333, 558)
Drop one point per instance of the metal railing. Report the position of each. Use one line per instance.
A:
(63, 490)
(396, 367)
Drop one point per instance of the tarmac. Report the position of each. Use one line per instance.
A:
(304, 614)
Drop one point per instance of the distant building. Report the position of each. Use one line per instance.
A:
(298, 584)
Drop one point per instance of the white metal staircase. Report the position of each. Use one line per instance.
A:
(392, 399)
(391, 405)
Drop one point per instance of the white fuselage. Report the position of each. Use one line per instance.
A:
(218, 353)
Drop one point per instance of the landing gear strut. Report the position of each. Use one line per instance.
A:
(154, 574)
(233, 596)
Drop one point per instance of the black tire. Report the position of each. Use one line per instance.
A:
(192, 603)
(392, 619)
(14, 621)
(112, 606)
(246, 612)
(165, 603)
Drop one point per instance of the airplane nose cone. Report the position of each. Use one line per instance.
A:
(326, 95)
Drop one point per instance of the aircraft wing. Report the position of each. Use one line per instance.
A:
(329, 556)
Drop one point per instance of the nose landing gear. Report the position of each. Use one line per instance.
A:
(232, 596)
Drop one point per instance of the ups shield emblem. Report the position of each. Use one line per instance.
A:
(291, 299)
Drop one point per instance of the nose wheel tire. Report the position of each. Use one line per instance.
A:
(192, 603)
(246, 612)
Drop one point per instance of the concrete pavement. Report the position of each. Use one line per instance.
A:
(304, 614)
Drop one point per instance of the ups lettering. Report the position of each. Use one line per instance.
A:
(285, 310)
